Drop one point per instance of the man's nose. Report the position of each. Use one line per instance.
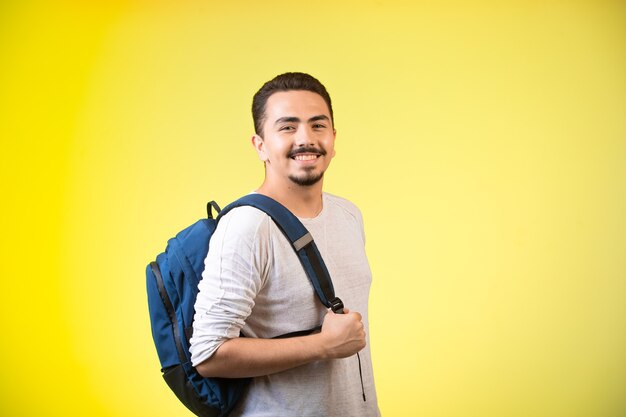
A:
(304, 136)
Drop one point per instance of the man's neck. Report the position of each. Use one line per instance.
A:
(302, 201)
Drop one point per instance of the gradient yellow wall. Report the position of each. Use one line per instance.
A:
(485, 143)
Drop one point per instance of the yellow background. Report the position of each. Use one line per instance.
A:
(485, 143)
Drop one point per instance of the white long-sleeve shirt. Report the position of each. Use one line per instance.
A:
(253, 283)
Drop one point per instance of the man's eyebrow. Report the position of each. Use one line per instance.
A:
(320, 117)
(297, 119)
(287, 120)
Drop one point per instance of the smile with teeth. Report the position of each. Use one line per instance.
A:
(305, 157)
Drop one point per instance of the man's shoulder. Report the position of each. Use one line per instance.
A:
(339, 203)
(244, 221)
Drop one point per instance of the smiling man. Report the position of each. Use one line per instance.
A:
(254, 283)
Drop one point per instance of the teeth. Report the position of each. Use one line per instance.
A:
(304, 157)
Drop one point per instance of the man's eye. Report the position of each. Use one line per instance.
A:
(318, 126)
(286, 128)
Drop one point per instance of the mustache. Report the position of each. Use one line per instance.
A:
(307, 149)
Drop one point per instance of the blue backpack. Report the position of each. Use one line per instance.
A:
(172, 284)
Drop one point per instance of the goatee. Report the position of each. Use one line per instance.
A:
(307, 180)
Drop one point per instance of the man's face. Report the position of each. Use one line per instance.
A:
(298, 137)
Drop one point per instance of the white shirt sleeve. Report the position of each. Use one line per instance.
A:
(235, 271)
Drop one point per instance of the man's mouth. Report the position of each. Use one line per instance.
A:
(305, 157)
(304, 154)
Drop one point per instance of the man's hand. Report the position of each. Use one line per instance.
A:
(342, 335)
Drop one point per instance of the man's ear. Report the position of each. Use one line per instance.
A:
(259, 147)
(334, 137)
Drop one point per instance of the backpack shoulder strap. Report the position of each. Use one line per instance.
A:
(301, 241)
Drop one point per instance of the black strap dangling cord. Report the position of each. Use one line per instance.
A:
(361, 376)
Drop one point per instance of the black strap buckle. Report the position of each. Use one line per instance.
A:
(336, 305)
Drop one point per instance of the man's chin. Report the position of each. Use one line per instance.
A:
(306, 180)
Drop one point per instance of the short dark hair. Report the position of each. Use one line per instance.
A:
(286, 82)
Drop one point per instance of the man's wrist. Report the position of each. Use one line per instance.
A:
(319, 346)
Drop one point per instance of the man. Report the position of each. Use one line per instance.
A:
(254, 283)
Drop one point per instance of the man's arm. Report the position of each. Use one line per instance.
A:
(342, 335)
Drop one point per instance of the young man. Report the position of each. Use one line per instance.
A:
(254, 283)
